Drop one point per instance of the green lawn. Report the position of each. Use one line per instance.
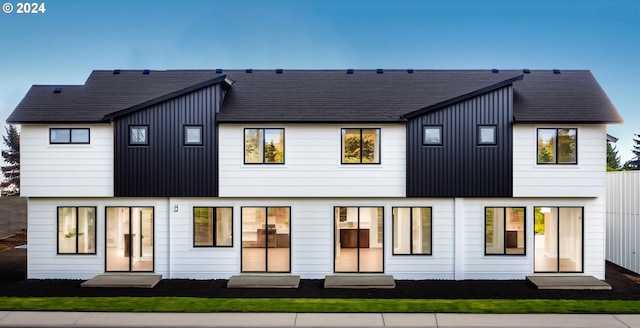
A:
(308, 305)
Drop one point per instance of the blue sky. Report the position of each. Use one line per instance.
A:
(63, 45)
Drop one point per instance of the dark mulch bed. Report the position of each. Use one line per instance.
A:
(13, 283)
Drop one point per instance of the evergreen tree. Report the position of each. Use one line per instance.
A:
(10, 185)
(613, 160)
(634, 164)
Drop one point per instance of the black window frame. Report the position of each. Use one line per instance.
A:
(555, 147)
(214, 225)
(263, 161)
(440, 132)
(378, 146)
(70, 141)
(184, 135)
(495, 135)
(504, 232)
(393, 235)
(75, 235)
(138, 126)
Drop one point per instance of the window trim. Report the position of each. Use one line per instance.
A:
(139, 126)
(184, 135)
(504, 232)
(214, 241)
(95, 225)
(70, 142)
(378, 146)
(411, 253)
(495, 135)
(435, 127)
(555, 157)
(263, 162)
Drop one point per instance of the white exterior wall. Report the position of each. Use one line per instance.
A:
(455, 254)
(69, 170)
(43, 262)
(312, 164)
(623, 219)
(586, 179)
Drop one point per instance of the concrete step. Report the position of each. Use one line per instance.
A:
(123, 280)
(263, 281)
(562, 281)
(360, 281)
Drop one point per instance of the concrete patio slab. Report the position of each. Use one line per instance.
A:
(263, 281)
(580, 282)
(123, 280)
(360, 281)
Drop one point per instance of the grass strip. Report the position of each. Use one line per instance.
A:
(313, 305)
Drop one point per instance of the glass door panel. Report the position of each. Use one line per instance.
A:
(266, 239)
(358, 239)
(570, 232)
(558, 239)
(129, 239)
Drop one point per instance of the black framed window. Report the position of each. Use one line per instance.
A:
(193, 135)
(69, 135)
(504, 231)
(486, 135)
(412, 231)
(212, 226)
(557, 146)
(139, 135)
(76, 230)
(432, 135)
(264, 146)
(361, 146)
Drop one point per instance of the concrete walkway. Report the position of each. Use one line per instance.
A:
(310, 320)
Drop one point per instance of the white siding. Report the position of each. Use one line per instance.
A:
(623, 219)
(43, 262)
(586, 179)
(312, 238)
(312, 165)
(70, 170)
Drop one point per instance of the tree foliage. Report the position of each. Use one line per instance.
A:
(10, 185)
(613, 159)
(634, 163)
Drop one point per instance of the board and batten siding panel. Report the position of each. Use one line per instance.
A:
(586, 179)
(312, 165)
(623, 219)
(66, 170)
(43, 262)
(460, 167)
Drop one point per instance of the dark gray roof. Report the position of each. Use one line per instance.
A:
(323, 95)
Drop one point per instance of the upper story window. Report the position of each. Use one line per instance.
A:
(432, 135)
(264, 146)
(68, 136)
(138, 135)
(360, 146)
(557, 146)
(193, 135)
(486, 135)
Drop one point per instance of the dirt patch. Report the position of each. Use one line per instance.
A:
(13, 241)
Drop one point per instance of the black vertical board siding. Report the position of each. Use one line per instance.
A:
(167, 168)
(460, 167)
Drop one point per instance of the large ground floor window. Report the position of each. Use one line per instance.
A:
(212, 226)
(129, 239)
(358, 239)
(412, 230)
(266, 236)
(76, 230)
(504, 229)
(558, 239)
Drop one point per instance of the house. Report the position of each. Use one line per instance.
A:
(420, 174)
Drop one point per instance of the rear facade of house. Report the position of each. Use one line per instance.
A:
(420, 174)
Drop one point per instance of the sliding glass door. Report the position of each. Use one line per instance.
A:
(129, 239)
(558, 239)
(358, 239)
(266, 239)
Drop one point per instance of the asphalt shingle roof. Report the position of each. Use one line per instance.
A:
(324, 95)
